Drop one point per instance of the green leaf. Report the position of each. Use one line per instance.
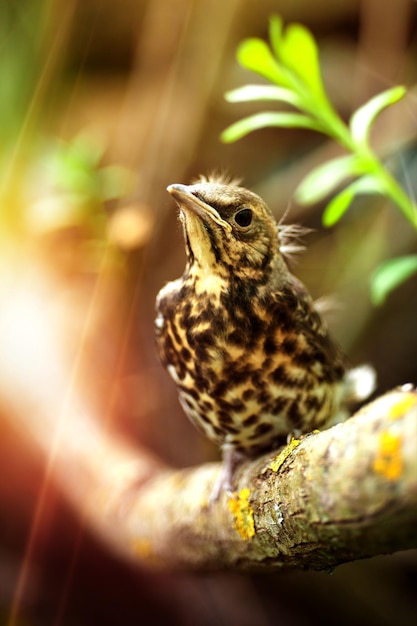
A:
(338, 206)
(361, 121)
(298, 51)
(340, 203)
(390, 275)
(324, 179)
(254, 54)
(249, 93)
(281, 119)
(275, 34)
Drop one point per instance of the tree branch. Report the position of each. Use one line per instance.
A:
(342, 494)
(339, 495)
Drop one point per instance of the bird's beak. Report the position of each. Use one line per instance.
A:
(187, 201)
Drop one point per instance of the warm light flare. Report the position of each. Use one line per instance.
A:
(43, 330)
(41, 342)
(29, 336)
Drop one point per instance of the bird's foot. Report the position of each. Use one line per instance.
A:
(224, 482)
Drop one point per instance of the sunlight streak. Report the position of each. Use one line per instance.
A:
(34, 360)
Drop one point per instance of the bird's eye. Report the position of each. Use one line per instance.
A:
(243, 218)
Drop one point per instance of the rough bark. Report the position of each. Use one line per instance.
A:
(346, 493)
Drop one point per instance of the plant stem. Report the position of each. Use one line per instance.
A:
(338, 130)
(396, 193)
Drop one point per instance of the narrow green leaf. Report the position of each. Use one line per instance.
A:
(275, 34)
(324, 179)
(368, 184)
(298, 51)
(340, 203)
(390, 275)
(337, 207)
(249, 93)
(361, 121)
(268, 118)
(254, 54)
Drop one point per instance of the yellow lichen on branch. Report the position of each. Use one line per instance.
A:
(402, 406)
(283, 455)
(242, 512)
(389, 461)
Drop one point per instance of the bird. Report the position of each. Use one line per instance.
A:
(240, 335)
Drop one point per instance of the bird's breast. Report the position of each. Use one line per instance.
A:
(247, 370)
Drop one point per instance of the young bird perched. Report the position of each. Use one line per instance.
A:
(239, 334)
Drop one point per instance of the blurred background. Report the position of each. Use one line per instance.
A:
(102, 105)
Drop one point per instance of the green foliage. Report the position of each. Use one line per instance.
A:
(341, 201)
(291, 64)
(74, 186)
(282, 119)
(362, 120)
(391, 274)
(64, 184)
(75, 167)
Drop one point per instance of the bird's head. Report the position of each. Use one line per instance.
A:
(228, 229)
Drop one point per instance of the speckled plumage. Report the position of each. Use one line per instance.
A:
(239, 334)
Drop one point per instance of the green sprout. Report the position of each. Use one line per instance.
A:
(291, 64)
